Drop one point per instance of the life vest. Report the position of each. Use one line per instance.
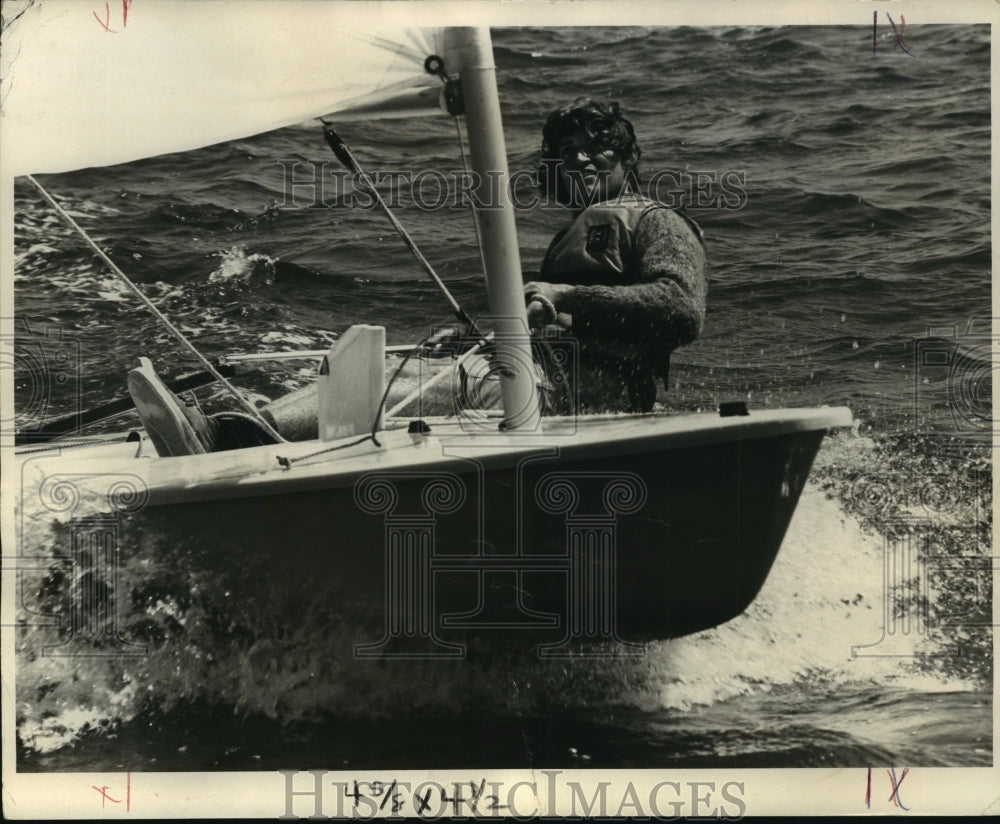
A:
(597, 248)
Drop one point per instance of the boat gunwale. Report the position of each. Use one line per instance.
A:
(256, 471)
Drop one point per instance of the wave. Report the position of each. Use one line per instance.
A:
(976, 259)
(825, 215)
(768, 145)
(221, 629)
(965, 119)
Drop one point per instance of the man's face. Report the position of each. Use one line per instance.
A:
(589, 172)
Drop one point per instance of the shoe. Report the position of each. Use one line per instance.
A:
(174, 427)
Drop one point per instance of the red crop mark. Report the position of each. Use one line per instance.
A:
(106, 22)
(106, 796)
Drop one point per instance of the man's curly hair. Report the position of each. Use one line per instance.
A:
(606, 127)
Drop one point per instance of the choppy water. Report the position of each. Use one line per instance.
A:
(856, 271)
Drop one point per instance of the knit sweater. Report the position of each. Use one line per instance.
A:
(630, 321)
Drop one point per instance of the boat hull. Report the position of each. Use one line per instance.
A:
(590, 544)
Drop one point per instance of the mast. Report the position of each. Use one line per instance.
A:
(495, 214)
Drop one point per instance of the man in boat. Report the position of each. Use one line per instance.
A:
(626, 280)
(628, 277)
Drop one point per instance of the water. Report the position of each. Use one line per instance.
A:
(857, 272)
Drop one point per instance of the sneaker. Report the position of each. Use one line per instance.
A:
(174, 427)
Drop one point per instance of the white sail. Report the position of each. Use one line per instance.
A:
(91, 83)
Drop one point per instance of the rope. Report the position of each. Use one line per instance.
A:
(156, 312)
(568, 390)
(286, 463)
(434, 379)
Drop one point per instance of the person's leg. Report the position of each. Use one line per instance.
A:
(295, 415)
(179, 429)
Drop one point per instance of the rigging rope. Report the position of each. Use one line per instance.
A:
(209, 367)
(286, 463)
(399, 407)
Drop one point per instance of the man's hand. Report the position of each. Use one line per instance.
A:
(543, 304)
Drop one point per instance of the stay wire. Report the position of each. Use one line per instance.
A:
(209, 367)
(472, 205)
(68, 445)
(345, 156)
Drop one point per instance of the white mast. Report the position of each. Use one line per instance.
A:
(504, 284)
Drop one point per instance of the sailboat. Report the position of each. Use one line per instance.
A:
(587, 534)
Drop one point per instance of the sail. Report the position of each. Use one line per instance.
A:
(86, 83)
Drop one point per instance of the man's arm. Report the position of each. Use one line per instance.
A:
(665, 305)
